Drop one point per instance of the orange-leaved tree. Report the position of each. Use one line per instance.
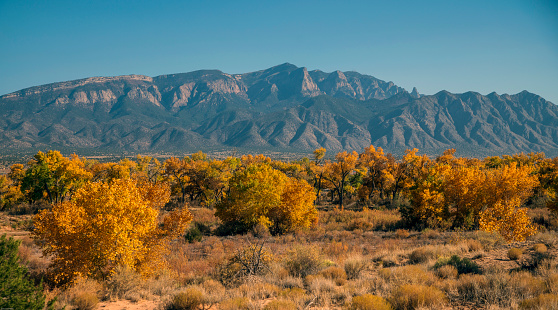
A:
(106, 225)
(337, 172)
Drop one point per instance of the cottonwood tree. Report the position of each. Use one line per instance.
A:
(53, 177)
(105, 225)
(259, 194)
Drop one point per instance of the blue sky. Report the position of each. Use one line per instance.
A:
(484, 46)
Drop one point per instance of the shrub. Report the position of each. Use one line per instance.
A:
(411, 296)
(447, 272)
(86, 301)
(82, 294)
(514, 253)
(422, 255)
(303, 261)
(280, 304)
(252, 260)
(369, 302)
(239, 303)
(526, 285)
(410, 274)
(539, 248)
(123, 283)
(214, 291)
(463, 265)
(336, 274)
(296, 295)
(471, 287)
(258, 290)
(402, 233)
(474, 245)
(18, 291)
(544, 301)
(190, 299)
(197, 232)
(354, 266)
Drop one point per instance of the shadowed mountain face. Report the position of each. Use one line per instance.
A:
(281, 108)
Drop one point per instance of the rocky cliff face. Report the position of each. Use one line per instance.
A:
(282, 108)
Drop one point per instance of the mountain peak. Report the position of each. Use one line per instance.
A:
(415, 93)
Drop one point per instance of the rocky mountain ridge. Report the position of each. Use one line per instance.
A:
(281, 108)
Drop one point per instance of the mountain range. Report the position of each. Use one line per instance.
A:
(283, 108)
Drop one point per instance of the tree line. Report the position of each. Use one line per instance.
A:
(117, 206)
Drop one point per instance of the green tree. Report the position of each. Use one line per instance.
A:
(53, 177)
(17, 291)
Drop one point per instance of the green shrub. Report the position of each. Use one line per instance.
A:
(18, 291)
(196, 233)
(280, 304)
(410, 296)
(514, 253)
(190, 299)
(369, 302)
(463, 265)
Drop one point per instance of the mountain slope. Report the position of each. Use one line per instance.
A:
(281, 108)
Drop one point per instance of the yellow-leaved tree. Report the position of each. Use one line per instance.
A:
(506, 189)
(106, 225)
(259, 194)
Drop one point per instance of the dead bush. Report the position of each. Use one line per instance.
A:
(214, 291)
(354, 266)
(253, 260)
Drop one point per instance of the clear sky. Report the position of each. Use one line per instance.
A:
(504, 46)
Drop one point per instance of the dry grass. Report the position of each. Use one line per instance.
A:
(351, 260)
